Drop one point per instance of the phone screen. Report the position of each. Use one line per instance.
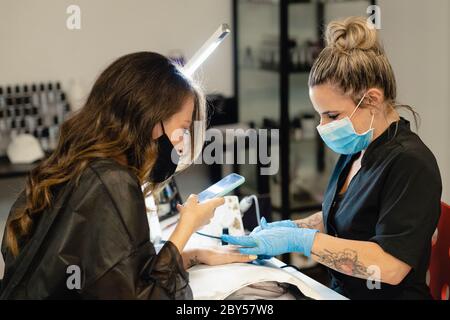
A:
(222, 187)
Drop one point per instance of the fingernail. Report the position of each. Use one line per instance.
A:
(252, 257)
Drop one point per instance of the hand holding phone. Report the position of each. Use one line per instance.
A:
(221, 188)
(194, 215)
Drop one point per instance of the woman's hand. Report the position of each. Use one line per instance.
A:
(275, 241)
(214, 256)
(194, 215)
(265, 225)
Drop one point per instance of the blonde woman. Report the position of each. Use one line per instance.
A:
(382, 203)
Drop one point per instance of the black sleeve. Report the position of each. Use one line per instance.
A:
(143, 275)
(111, 235)
(409, 208)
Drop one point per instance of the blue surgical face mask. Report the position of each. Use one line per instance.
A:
(341, 137)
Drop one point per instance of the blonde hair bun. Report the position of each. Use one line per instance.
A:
(350, 34)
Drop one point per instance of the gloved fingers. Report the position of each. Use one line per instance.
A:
(292, 224)
(255, 230)
(251, 251)
(244, 241)
(285, 224)
(264, 224)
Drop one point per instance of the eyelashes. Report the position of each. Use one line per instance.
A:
(333, 116)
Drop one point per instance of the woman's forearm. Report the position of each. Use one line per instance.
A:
(190, 258)
(314, 221)
(180, 237)
(361, 259)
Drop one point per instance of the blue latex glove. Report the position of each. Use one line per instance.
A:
(266, 225)
(275, 241)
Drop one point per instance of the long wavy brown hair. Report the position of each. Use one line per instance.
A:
(130, 97)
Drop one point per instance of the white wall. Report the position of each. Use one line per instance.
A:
(416, 34)
(37, 46)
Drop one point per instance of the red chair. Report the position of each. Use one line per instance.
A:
(439, 270)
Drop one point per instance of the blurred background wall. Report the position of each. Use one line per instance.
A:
(36, 45)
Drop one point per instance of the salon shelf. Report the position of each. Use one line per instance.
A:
(313, 206)
(274, 95)
(311, 202)
(10, 170)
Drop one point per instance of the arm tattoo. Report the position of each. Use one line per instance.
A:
(193, 261)
(311, 223)
(345, 262)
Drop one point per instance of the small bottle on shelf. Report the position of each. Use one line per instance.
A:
(45, 139)
(34, 96)
(17, 93)
(54, 133)
(43, 102)
(2, 99)
(13, 132)
(60, 108)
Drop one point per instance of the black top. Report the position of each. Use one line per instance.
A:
(99, 225)
(393, 200)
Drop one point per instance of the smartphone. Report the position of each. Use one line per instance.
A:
(221, 188)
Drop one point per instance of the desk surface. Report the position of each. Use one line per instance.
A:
(324, 292)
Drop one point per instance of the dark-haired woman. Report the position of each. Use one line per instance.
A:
(79, 229)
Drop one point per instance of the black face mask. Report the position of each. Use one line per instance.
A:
(164, 166)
